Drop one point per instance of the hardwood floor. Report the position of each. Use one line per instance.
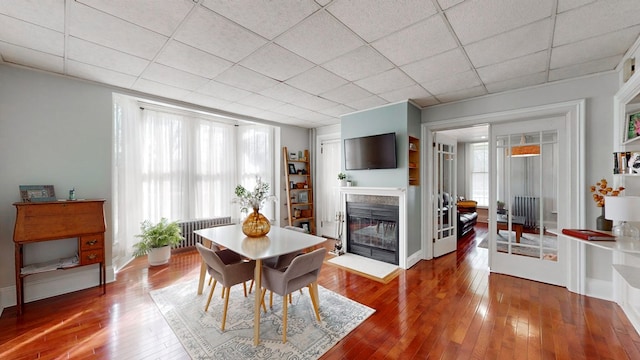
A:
(449, 308)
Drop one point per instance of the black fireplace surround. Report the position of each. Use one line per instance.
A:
(372, 231)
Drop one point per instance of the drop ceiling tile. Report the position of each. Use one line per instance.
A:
(607, 45)
(437, 67)
(431, 34)
(517, 83)
(265, 17)
(100, 28)
(454, 83)
(565, 5)
(464, 94)
(36, 59)
(329, 122)
(246, 79)
(480, 19)
(314, 103)
(100, 56)
(358, 64)
(192, 60)
(155, 88)
(320, 118)
(290, 110)
(276, 62)
(231, 41)
(346, 93)
(31, 36)
(242, 110)
(48, 14)
(367, 103)
(590, 67)
(316, 80)
(337, 111)
(261, 102)
(525, 65)
(604, 17)
(174, 77)
(387, 81)
(445, 4)
(98, 74)
(426, 101)
(163, 18)
(285, 93)
(205, 100)
(510, 45)
(223, 91)
(373, 20)
(410, 92)
(319, 38)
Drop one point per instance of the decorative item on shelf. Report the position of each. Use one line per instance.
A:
(72, 194)
(623, 209)
(600, 190)
(256, 224)
(297, 213)
(342, 179)
(293, 156)
(37, 193)
(292, 169)
(632, 126)
(156, 241)
(305, 226)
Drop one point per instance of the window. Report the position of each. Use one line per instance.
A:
(478, 172)
(181, 165)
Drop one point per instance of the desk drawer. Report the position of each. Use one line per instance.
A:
(91, 256)
(90, 242)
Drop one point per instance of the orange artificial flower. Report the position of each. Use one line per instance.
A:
(601, 189)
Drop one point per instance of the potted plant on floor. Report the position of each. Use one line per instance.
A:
(156, 241)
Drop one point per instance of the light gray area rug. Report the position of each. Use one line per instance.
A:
(200, 334)
(528, 245)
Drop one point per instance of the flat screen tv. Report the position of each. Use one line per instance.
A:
(370, 152)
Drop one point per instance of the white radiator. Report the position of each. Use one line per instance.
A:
(189, 226)
(527, 206)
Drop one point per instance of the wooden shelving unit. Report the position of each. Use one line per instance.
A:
(300, 210)
(414, 161)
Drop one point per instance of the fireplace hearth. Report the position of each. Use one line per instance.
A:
(372, 231)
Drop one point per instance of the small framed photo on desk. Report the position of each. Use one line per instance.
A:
(37, 193)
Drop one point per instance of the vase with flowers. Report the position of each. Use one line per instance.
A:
(599, 191)
(256, 224)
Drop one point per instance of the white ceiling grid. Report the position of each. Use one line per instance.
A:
(307, 62)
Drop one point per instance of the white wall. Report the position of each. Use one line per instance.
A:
(598, 90)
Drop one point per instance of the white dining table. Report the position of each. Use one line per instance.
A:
(278, 241)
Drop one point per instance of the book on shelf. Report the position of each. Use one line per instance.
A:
(590, 235)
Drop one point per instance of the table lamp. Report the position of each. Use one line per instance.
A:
(623, 209)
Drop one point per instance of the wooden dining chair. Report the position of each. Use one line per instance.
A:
(228, 268)
(302, 271)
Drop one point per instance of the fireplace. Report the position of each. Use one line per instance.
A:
(372, 230)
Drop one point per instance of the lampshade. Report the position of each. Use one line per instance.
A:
(622, 208)
(524, 150)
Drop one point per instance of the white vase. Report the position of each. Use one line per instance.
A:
(159, 256)
(342, 182)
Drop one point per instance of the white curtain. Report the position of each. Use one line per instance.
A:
(126, 180)
(255, 149)
(180, 165)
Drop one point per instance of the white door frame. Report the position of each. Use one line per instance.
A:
(317, 179)
(574, 111)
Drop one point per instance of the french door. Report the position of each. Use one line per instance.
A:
(528, 169)
(444, 220)
(327, 187)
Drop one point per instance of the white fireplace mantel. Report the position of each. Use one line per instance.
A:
(401, 194)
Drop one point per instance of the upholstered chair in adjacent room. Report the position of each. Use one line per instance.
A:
(227, 268)
(302, 271)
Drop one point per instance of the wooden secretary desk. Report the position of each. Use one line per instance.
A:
(46, 221)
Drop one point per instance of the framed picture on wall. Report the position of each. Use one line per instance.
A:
(632, 126)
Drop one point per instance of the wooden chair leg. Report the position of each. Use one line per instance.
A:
(264, 308)
(284, 319)
(270, 299)
(226, 305)
(210, 280)
(244, 285)
(314, 300)
(206, 307)
(251, 286)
